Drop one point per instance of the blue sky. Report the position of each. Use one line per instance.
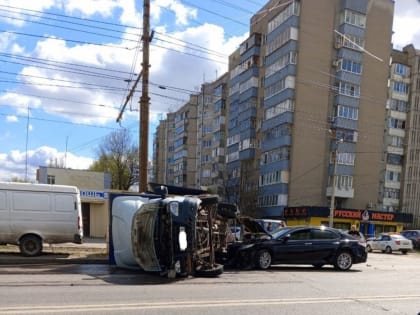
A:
(65, 65)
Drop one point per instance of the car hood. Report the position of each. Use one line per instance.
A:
(252, 225)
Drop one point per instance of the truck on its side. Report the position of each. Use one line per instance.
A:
(170, 234)
(33, 214)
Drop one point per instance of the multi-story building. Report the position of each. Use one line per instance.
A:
(401, 175)
(309, 89)
(211, 136)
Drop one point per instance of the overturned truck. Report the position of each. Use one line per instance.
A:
(170, 234)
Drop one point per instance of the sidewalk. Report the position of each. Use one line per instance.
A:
(91, 251)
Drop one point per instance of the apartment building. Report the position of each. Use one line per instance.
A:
(211, 136)
(400, 185)
(307, 97)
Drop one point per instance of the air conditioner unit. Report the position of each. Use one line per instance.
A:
(335, 63)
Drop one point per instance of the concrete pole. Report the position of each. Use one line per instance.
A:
(334, 183)
(144, 102)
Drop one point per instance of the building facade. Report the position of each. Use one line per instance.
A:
(314, 75)
(401, 177)
(93, 186)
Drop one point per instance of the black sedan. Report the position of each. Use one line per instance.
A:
(308, 245)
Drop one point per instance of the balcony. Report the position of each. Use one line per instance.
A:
(341, 192)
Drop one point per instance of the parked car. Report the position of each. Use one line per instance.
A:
(387, 243)
(414, 236)
(308, 245)
(359, 236)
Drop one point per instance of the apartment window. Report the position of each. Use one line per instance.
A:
(394, 159)
(349, 89)
(397, 123)
(283, 61)
(347, 135)
(353, 18)
(275, 155)
(277, 132)
(393, 176)
(281, 39)
(345, 158)
(292, 9)
(347, 112)
(350, 41)
(344, 181)
(279, 86)
(401, 69)
(397, 141)
(400, 87)
(350, 66)
(280, 108)
(392, 193)
(252, 82)
(51, 179)
(398, 105)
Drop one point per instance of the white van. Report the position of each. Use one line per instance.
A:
(31, 214)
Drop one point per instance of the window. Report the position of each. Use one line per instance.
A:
(397, 123)
(280, 108)
(347, 112)
(275, 155)
(350, 66)
(353, 18)
(392, 193)
(346, 158)
(281, 39)
(393, 176)
(347, 135)
(394, 159)
(318, 234)
(300, 235)
(400, 87)
(398, 105)
(279, 86)
(397, 141)
(292, 9)
(283, 61)
(51, 179)
(400, 69)
(349, 89)
(350, 41)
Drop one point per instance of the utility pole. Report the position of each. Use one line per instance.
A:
(334, 183)
(144, 102)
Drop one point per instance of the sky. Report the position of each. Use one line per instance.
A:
(67, 66)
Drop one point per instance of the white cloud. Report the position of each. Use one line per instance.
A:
(406, 25)
(21, 164)
(12, 119)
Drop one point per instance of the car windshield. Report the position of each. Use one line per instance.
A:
(281, 232)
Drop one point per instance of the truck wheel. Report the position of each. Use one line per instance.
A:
(30, 245)
(214, 271)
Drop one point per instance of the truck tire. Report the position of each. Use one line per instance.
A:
(214, 271)
(30, 245)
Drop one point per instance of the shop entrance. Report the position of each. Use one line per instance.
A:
(86, 219)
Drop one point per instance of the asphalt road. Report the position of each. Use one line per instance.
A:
(386, 284)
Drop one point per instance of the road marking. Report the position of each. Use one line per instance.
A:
(35, 309)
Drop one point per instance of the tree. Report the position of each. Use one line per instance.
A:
(118, 156)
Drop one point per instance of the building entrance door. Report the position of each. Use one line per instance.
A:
(86, 219)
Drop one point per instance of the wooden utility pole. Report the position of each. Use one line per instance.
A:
(144, 101)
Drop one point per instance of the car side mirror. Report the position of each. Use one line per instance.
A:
(285, 239)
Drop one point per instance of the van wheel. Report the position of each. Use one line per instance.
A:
(30, 245)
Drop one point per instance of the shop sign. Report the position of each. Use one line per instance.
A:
(93, 194)
(295, 212)
(364, 215)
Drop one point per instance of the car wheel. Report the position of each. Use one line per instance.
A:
(214, 271)
(404, 251)
(368, 248)
(343, 261)
(388, 250)
(30, 245)
(263, 259)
